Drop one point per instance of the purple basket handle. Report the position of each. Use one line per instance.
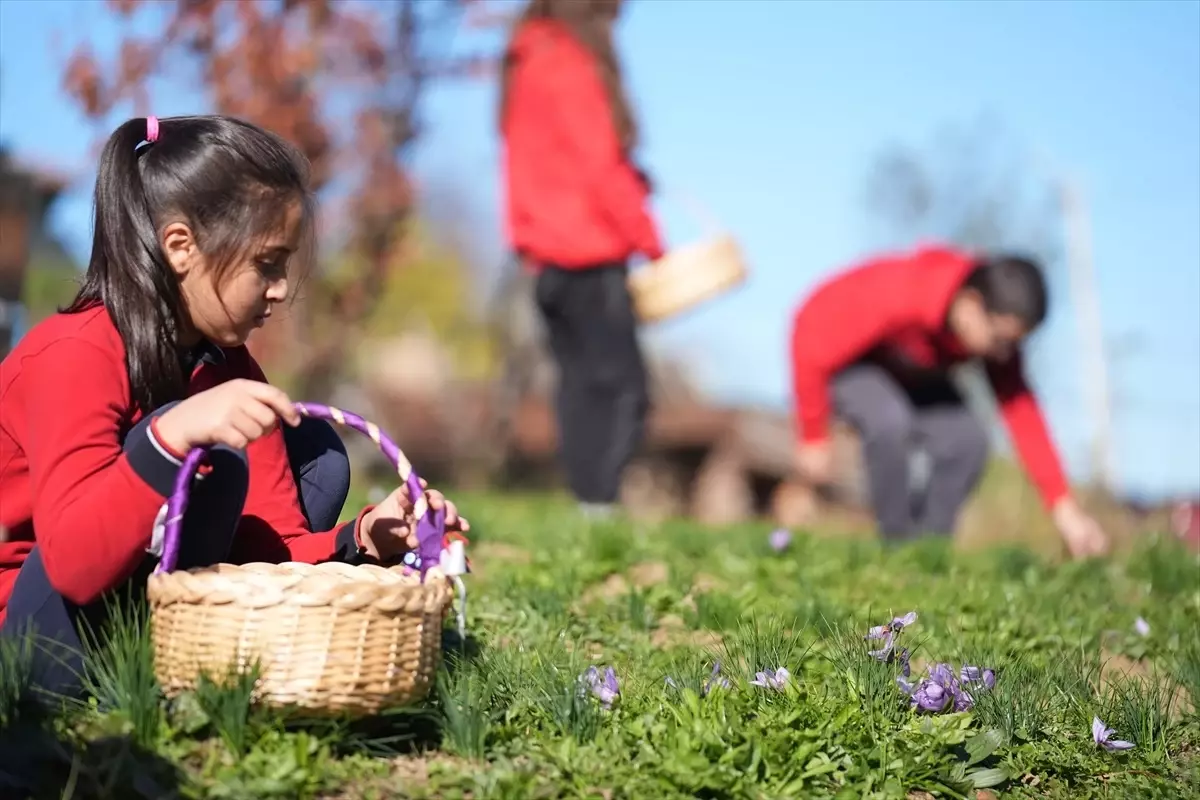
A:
(431, 525)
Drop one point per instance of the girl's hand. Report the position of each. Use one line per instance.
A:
(1082, 535)
(814, 460)
(388, 530)
(234, 413)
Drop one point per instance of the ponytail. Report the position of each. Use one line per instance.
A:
(128, 273)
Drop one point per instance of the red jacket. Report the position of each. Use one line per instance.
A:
(897, 306)
(573, 198)
(67, 485)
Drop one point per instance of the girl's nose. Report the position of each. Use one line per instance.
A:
(277, 292)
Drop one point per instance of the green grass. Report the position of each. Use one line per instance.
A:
(552, 596)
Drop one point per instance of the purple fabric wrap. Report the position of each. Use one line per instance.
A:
(431, 527)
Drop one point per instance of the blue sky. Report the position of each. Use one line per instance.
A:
(770, 112)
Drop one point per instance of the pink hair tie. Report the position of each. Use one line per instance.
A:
(151, 129)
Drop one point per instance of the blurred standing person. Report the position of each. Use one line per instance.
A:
(576, 213)
(874, 344)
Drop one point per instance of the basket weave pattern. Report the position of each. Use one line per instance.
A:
(329, 637)
(687, 277)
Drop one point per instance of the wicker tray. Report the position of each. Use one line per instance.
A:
(328, 637)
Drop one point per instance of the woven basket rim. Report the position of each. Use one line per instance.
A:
(687, 277)
(260, 584)
(720, 249)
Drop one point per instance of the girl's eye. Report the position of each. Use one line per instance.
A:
(272, 269)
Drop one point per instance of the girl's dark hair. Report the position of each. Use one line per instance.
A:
(229, 181)
(1011, 284)
(589, 21)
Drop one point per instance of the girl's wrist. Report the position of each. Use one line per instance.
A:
(165, 432)
(362, 533)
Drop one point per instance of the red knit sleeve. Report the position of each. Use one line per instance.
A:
(93, 505)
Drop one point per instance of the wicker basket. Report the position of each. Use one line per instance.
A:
(686, 277)
(329, 638)
(691, 275)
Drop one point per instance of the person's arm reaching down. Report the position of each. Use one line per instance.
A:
(1082, 535)
(1027, 428)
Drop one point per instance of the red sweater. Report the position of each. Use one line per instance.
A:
(896, 306)
(67, 484)
(573, 198)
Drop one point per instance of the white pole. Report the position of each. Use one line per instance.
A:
(1081, 269)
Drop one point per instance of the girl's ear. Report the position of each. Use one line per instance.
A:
(179, 245)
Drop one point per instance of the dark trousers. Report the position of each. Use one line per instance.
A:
(322, 472)
(894, 421)
(602, 387)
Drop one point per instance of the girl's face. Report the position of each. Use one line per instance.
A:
(995, 337)
(227, 310)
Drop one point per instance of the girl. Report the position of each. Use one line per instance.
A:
(876, 344)
(198, 221)
(576, 211)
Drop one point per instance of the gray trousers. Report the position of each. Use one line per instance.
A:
(895, 422)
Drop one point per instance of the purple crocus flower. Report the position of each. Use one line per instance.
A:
(945, 677)
(941, 689)
(607, 690)
(714, 681)
(930, 696)
(1142, 627)
(779, 539)
(772, 679)
(1103, 737)
(979, 676)
(888, 633)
